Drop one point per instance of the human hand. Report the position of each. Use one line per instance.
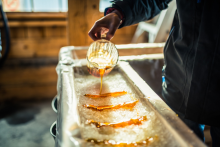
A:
(107, 24)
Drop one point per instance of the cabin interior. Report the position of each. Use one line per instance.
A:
(38, 29)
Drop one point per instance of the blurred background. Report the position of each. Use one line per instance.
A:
(32, 33)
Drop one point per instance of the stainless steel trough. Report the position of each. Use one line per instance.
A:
(68, 120)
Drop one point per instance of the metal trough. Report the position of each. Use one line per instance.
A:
(68, 121)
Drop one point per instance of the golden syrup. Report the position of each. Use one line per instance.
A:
(99, 65)
(96, 71)
(97, 62)
(101, 72)
(104, 95)
(112, 143)
(137, 121)
(126, 105)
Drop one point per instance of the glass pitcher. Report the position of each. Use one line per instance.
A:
(102, 56)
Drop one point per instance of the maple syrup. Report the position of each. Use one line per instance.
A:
(126, 105)
(137, 121)
(99, 72)
(99, 67)
(99, 64)
(104, 95)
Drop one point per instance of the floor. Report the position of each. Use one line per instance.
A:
(26, 125)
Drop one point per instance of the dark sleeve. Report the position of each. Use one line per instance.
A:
(136, 11)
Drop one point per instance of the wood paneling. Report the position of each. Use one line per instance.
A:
(28, 82)
(27, 92)
(27, 42)
(35, 32)
(20, 32)
(41, 23)
(25, 74)
(36, 19)
(29, 48)
(35, 15)
(55, 32)
(28, 76)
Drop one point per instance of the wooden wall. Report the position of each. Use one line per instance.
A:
(37, 34)
(29, 72)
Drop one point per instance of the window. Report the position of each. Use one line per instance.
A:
(103, 4)
(35, 5)
(43, 5)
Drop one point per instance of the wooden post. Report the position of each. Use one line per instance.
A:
(93, 15)
(81, 16)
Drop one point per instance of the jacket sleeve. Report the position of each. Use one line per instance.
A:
(136, 11)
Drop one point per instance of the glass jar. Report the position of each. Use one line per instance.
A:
(102, 56)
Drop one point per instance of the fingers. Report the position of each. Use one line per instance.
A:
(95, 32)
(104, 30)
(92, 34)
(111, 32)
(98, 35)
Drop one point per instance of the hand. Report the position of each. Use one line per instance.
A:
(108, 24)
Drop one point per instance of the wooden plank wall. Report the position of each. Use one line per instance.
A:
(37, 35)
(28, 83)
(29, 72)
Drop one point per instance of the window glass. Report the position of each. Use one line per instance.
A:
(35, 5)
(103, 4)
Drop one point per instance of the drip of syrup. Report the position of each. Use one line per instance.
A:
(99, 66)
(126, 105)
(101, 72)
(113, 143)
(137, 121)
(104, 95)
